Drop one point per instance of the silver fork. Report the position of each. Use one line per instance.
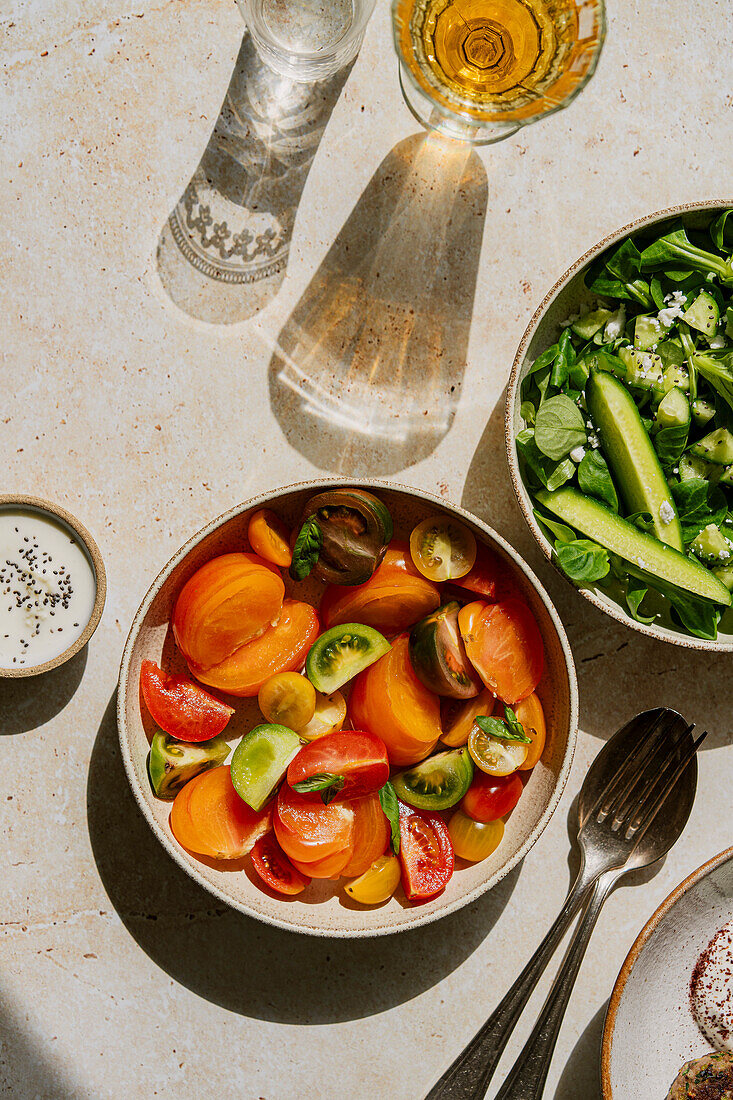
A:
(620, 829)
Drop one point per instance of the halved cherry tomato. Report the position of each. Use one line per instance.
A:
(495, 755)
(426, 853)
(474, 840)
(180, 707)
(486, 577)
(504, 645)
(358, 760)
(389, 700)
(377, 883)
(308, 830)
(281, 648)
(532, 716)
(275, 869)
(269, 537)
(395, 597)
(208, 817)
(329, 717)
(459, 720)
(288, 699)
(491, 796)
(442, 548)
(371, 834)
(224, 605)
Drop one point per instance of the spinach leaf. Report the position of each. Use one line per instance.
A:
(545, 360)
(669, 443)
(676, 247)
(559, 530)
(642, 520)
(698, 503)
(717, 371)
(391, 809)
(721, 233)
(559, 427)
(495, 727)
(699, 617)
(595, 479)
(625, 261)
(527, 412)
(546, 472)
(563, 360)
(306, 550)
(636, 590)
(584, 561)
(655, 289)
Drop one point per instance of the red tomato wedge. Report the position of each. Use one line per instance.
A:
(208, 817)
(309, 831)
(358, 762)
(504, 645)
(275, 869)
(394, 598)
(426, 853)
(180, 707)
(371, 834)
(281, 648)
(491, 796)
(486, 577)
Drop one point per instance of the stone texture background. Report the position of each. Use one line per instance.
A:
(119, 978)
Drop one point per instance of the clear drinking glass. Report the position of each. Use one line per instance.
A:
(307, 40)
(477, 70)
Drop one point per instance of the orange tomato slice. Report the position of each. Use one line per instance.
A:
(308, 830)
(394, 598)
(224, 605)
(209, 818)
(504, 645)
(371, 834)
(532, 716)
(269, 537)
(328, 867)
(281, 648)
(462, 718)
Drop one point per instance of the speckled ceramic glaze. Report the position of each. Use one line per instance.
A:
(323, 909)
(650, 1031)
(563, 300)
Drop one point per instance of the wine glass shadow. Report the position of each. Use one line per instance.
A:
(239, 963)
(223, 251)
(30, 702)
(620, 672)
(30, 1069)
(366, 373)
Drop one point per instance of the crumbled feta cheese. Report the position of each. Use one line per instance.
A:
(615, 324)
(717, 341)
(675, 308)
(578, 453)
(570, 320)
(724, 555)
(593, 440)
(666, 512)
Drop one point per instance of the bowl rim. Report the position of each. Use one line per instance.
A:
(512, 395)
(377, 929)
(636, 949)
(39, 504)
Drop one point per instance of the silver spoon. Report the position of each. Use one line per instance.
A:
(620, 829)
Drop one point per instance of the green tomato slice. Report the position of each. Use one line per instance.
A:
(260, 761)
(436, 783)
(341, 653)
(172, 763)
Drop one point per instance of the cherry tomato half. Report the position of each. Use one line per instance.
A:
(357, 759)
(269, 537)
(288, 699)
(208, 817)
(442, 548)
(491, 796)
(426, 853)
(495, 755)
(181, 708)
(275, 869)
(329, 717)
(377, 883)
(474, 840)
(504, 645)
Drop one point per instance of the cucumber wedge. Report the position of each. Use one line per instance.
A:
(703, 314)
(716, 446)
(639, 549)
(631, 456)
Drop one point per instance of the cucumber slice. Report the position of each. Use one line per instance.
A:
(724, 573)
(690, 466)
(711, 544)
(648, 332)
(702, 411)
(341, 653)
(631, 457)
(436, 783)
(587, 326)
(729, 321)
(643, 368)
(716, 446)
(639, 549)
(675, 377)
(674, 410)
(260, 761)
(703, 314)
(726, 478)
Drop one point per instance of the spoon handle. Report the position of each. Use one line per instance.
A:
(527, 1077)
(469, 1075)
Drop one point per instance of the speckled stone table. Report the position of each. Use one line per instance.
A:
(120, 979)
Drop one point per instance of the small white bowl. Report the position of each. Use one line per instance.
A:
(563, 300)
(323, 909)
(650, 1031)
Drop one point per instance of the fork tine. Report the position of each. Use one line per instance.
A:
(645, 815)
(630, 775)
(627, 766)
(643, 784)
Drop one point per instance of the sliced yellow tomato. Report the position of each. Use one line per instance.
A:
(288, 699)
(494, 755)
(461, 720)
(442, 549)
(532, 716)
(329, 716)
(269, 537)
(377, 883)
(474, 840)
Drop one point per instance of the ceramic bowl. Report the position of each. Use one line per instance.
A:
(566, 296)
(650, 1031)
(65, 519)
(323, 908)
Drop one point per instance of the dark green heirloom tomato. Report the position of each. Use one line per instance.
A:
(436, 783)
(439, 656)
(260, 761)
(172, 763)
(341, 653)
(356, 528)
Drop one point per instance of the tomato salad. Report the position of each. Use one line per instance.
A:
(399, 716)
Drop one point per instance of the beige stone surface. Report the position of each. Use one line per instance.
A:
(119, 978)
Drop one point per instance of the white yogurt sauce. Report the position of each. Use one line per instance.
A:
(711, 990)
(47, 587)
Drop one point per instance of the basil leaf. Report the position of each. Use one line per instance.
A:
(548, 473)
(560, 530)
(390, 806)
(514, 724)
(545, 360)
(306, 550)
(698, 503)
(721, 233)
(496, 728)
(563, 360)
(635, 592)
(643, 520)
(700, 617)
(669, 443)
(582, 560)
(326, 782)
(527, 412)
(625, 261)
(559, 427)
(657, 293)
(594, 478)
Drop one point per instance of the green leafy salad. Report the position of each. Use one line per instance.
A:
(627, 444)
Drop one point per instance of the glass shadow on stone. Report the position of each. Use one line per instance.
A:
(366, 373)
(223, 252)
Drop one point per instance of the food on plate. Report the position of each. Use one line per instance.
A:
(706, 1078)
(393, 735)
(711, 995)
(627, 447)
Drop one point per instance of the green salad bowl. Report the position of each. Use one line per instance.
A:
(566, 298)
